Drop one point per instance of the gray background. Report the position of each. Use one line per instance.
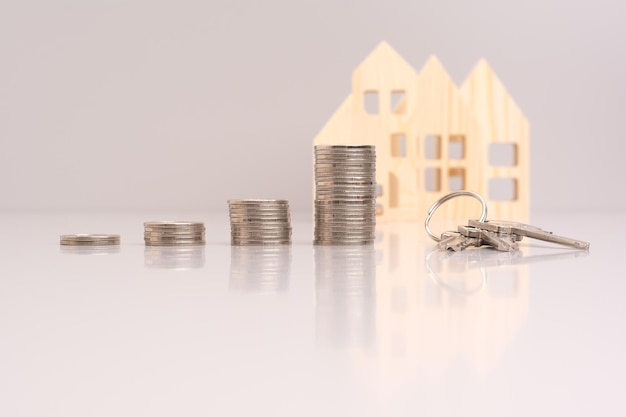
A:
(184, 104)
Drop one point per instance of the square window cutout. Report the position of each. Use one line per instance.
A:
(370, 102)
(432, 179)
(456, 147)
(398, 145)
(503, 154)
(398, 102)
(502, 189)
(432, 147)
(456, 179)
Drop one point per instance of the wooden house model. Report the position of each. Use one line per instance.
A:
(433, 137)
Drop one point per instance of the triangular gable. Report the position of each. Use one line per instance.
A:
(440, 107)
(496, 110)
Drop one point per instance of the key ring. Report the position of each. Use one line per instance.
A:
(436, 204)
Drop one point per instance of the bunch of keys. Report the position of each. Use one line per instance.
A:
(499, 235)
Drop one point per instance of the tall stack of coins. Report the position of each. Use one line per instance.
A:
(169, 233)
(259, 222)
(345, 194)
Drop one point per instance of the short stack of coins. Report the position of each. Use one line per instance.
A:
(259, 222)
(345, 194)
(90, 240)
(173, 233)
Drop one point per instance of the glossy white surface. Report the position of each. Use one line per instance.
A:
(389, 330)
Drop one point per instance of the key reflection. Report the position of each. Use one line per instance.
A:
(425, 325)
(180, 258)
(260, 269)
(345, 296)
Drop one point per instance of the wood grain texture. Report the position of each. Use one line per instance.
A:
(465, 121)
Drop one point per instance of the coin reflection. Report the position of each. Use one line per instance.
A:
(260, 269)
(345, 296)
(90, 250)
(174, 257)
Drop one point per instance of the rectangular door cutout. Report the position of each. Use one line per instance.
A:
(502, 189)
(503, 154)
(432, 179)
(398, 145)
(394, 189)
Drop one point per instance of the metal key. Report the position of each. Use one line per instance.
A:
(521, 229)
(502, 243)
(455, 241)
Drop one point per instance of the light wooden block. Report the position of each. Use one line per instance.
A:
(472, 117)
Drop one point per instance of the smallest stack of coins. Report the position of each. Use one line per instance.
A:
(90, 240)
(168, 233)
(259, 222)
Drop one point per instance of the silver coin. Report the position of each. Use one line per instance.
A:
(261, 231)
(174, 234)
(254, 238)
(257, 202)
(268, 221)
(259, 208)
(332, 164)
(348, 166)
(87, 243)
(260, 214)
(181, 237)
(347, 179)
(355, 203)
(335, 183)
(259, 242)
(168, 223)
(348, 159)
(360, 220)
(353, 227)
(344, 235)
(339, 194)
(336, 206)
(346, 148)
(174, 242)
(335, 243)
(261, 226)
(347, 190)
(352, 219)
(267, 234)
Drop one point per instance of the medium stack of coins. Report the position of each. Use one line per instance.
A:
(259, 222)
(345, 195)
(89, 240)
(173, 233)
